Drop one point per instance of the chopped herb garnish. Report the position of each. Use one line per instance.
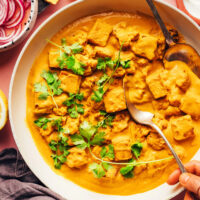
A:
(98, 94)
(125, 64)
(104, 62)
(107, 121)
(58, 160)
(67, 59)
(102, 80)
(42, 122)
(53, 82)
(87, 130)
(74, 108)
(97, 170)
(136, 149)
(79, 141)
(73, 49)
(107, 154)
(103, 112)
(127, 171)
(38, 87)
(98, 138)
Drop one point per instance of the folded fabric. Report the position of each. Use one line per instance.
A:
(17, 182)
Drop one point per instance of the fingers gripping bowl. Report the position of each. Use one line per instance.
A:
(17, 100)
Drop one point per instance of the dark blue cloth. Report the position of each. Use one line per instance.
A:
(17, 182)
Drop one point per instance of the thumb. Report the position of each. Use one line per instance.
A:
(191, 182)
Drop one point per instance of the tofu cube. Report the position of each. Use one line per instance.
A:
(114, 99)
(104, 51)
(100, 33)
(182, 128)
(79, 36)
(125, 34)
(53, 56)
(146, 47)
(43, 106)
(77, 158)
(155, 85)
(122, 147)
(69, 82)
(190, 104)
(155, 141)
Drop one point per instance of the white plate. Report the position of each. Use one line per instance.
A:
(17, 95)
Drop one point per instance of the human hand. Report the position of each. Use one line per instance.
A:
(190, 180)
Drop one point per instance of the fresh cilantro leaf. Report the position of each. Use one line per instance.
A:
(58, 124)
(70, 62)
(63, 138)
(107, 154)
(103, 152)
(79, 96)
(87, 130)
(80, 108)
(72, 112)
(127, 171)
(136, 149)
(79, 141)
(73, 107)
(98, 95)
(58, 160)
(102, 80)
(97, 170)
(76, 48)
(107, 121)
(38, 87)
(125, 64)
(53, 145)
(104, 62)
(103, 112)
(53, 82)
(98, 138)
(106, 166)
(42, 122)
(63, 41)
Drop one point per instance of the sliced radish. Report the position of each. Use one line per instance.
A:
(11, 9)
(4, 40)
(17, 21)
(4, 8)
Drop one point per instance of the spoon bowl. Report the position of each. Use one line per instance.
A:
(177, 51)
(185, 53)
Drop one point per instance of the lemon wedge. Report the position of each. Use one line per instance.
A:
(3, 109)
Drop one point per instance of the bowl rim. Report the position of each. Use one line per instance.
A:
(41, 26)
(26, 29)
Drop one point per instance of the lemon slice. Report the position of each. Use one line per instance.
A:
(3, 109)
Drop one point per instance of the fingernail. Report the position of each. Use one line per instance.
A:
(184, 178)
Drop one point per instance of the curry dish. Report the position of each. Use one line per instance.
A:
(77, 113)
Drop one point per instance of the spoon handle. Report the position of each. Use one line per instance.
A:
(180, 164)
(166, 33)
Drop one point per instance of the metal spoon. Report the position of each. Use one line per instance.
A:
(146, 119)
(177, 51)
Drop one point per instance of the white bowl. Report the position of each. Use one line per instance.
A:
(17, 95)
(26, 29)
